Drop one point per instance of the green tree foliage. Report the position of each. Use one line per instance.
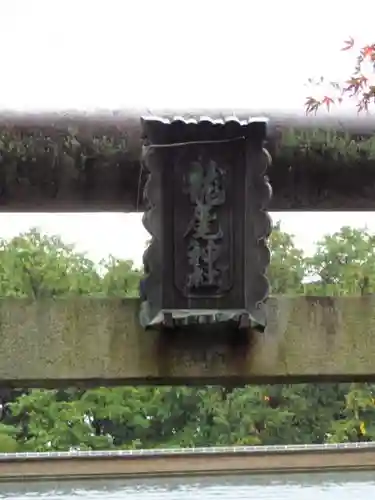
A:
(287, 267)
(36, 266)
(344, 263)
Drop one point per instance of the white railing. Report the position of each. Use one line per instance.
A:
(298, 448)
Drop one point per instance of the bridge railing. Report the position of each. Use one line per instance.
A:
(215, 450)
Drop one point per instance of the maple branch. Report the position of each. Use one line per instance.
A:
(358, 85)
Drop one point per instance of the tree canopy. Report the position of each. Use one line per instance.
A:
(36, 265)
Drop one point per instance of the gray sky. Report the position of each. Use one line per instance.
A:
(123, 235)
(88, 54)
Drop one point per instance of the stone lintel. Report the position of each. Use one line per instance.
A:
(89, 341)
(80, 161)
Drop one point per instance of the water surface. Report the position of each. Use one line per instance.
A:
(322, 486)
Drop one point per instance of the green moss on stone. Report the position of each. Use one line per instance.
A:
(33, 145)
(53, 145)
(322, 145)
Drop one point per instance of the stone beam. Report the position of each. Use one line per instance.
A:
(77, 161)
(89, 341)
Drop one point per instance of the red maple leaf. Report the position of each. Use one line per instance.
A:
(327, 101)
(368, 51)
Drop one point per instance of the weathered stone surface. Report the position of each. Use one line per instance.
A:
(87, 341)
(78, 161)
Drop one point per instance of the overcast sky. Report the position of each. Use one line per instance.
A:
(87, 54)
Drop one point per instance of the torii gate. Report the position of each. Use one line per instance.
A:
(91, 162)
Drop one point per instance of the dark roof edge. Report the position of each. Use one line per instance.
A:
(131, 116)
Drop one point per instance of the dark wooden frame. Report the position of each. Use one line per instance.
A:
(237, 148)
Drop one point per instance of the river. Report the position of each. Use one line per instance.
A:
(317, 486)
